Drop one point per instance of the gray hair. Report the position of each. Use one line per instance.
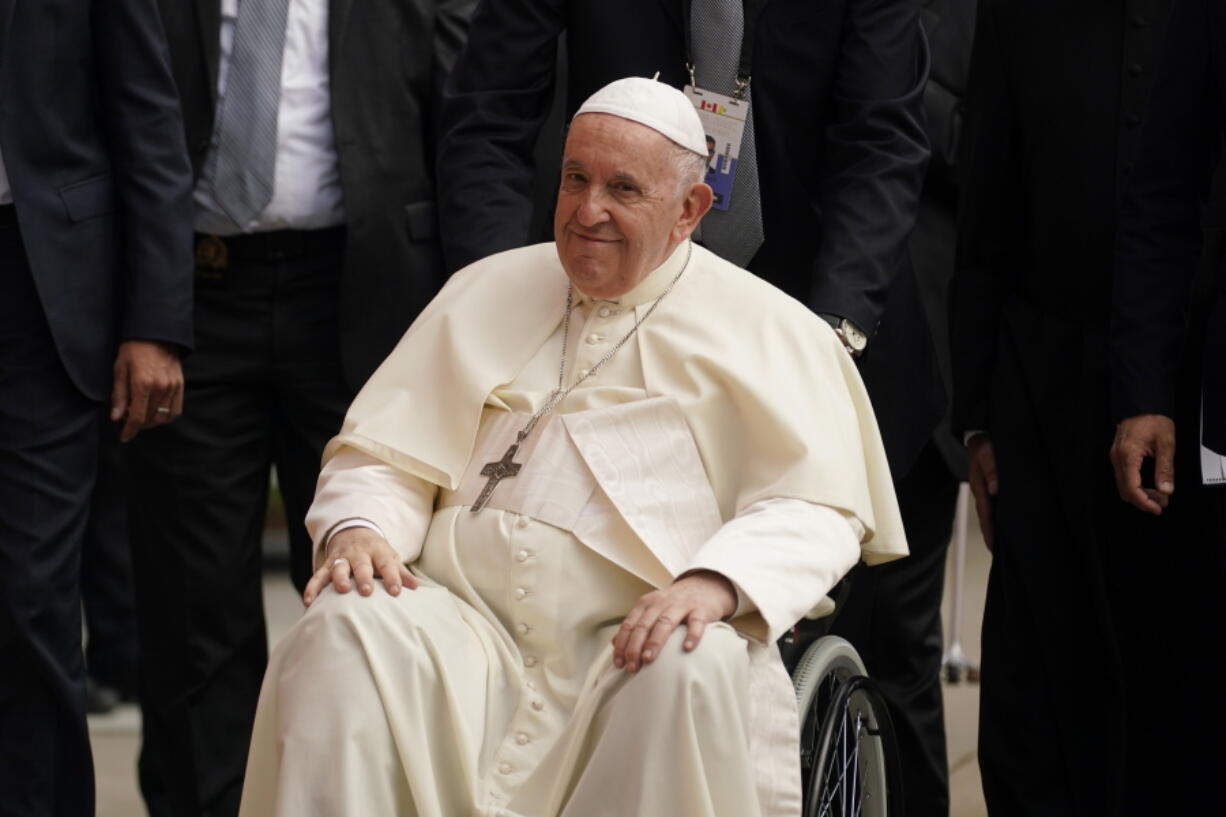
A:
(691, 168)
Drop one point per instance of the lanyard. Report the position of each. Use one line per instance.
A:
(751, 10)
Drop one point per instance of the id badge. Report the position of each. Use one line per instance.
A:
(723, 118)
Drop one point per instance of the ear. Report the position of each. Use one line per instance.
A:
(694, 206)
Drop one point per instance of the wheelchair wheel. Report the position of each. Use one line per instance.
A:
(848, 754)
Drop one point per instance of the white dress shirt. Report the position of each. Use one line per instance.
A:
(6, 193)
(307, 185)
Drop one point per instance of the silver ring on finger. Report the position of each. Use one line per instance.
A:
(338, 560)
(163, 410)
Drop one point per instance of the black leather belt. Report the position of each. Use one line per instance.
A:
(221, 251)
(8, 216)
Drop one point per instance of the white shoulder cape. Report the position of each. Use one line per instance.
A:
(775, 404)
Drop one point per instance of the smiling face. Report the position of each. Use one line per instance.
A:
(622, 204)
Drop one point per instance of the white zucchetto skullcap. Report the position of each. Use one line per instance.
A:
(657, 105)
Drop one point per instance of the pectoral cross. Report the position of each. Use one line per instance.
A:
(504, 468)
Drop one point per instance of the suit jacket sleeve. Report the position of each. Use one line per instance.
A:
(494, 104)
(152, 175)
(450, 32)
(877, 150)
(1159, 230)
(988, 230)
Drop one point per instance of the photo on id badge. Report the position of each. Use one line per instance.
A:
(723, 119)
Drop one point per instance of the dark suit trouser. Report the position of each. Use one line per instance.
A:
(893, 618)
(48, 452)
(111, 647)
(263, 388)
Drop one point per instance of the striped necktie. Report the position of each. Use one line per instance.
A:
(716, 27)
(247, 126)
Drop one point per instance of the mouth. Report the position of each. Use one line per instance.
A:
(591, 239)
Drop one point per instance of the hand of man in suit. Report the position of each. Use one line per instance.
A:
(147, 389)
(982, 477)
(1138, 437)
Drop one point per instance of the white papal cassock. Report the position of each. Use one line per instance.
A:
(731, 434)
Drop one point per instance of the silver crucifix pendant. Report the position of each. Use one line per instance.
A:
(504, 468)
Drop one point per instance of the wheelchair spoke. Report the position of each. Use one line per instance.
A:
(847, 787)
(857, 798)
(847, 753)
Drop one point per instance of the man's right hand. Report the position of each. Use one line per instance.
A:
(358, 555)
(1138, 437)
(982, 477)
(147, 386)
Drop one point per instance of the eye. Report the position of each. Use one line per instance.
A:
(624, 188)
(573, 179)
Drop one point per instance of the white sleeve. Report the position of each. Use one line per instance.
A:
(783, 556)
(346, 524)
(355, 489)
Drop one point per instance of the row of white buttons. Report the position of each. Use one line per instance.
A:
(522, 628)
(522, 739)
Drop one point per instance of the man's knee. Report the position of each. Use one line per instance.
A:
(351, 620)
(720, 658)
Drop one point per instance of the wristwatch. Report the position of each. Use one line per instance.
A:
(853, 339)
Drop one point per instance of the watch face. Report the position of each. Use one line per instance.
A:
(855, 338)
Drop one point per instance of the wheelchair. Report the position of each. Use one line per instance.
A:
(848, 753)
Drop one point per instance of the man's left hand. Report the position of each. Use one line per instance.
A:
(694, 600)
(148, 386)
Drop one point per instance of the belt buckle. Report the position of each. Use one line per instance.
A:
(212, 253)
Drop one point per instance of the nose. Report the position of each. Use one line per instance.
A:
(592, 210)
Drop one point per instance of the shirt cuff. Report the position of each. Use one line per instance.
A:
(744, 604)
(346, 524)
(967, 436)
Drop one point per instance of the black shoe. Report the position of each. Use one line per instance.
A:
(100, 698)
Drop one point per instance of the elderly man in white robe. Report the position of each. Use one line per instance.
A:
(565, 522)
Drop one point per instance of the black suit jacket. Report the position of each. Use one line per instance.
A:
(950, 25)
(387, 60)
(92, 141)
(837, 106)
(1162, 322)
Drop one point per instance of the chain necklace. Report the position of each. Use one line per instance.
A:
(506, 467)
